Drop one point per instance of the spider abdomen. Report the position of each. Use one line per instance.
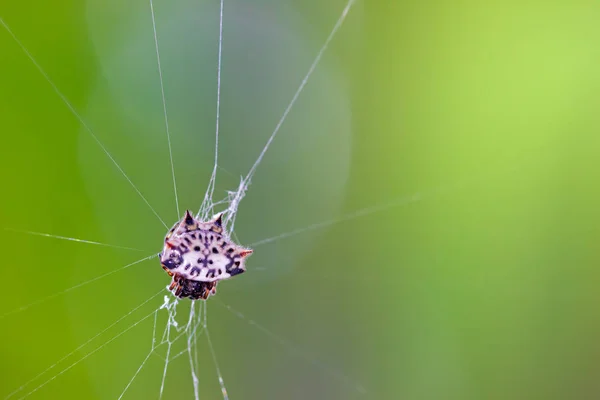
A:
(197, 251)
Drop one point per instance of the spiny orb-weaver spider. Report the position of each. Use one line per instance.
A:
(199, 254)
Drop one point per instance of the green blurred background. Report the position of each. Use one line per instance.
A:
(469, 129)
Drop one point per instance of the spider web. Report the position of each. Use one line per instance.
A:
(85, 314)
(174, 336)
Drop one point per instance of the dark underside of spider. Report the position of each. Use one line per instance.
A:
(195, 290)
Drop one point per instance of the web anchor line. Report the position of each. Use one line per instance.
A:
(81, 346)
(164, 104)
(71, 239)
(52, 296)
(294, 350)
(237, 196)
(207, 203)
(78, 116)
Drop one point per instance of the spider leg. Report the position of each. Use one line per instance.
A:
(168, 270)
(178, 291)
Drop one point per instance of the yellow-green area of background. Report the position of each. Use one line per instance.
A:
(468, 129)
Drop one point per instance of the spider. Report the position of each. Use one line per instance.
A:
(197, 255)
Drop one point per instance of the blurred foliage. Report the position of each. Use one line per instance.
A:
(471, 128)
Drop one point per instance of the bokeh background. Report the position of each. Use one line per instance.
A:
(454, 147)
